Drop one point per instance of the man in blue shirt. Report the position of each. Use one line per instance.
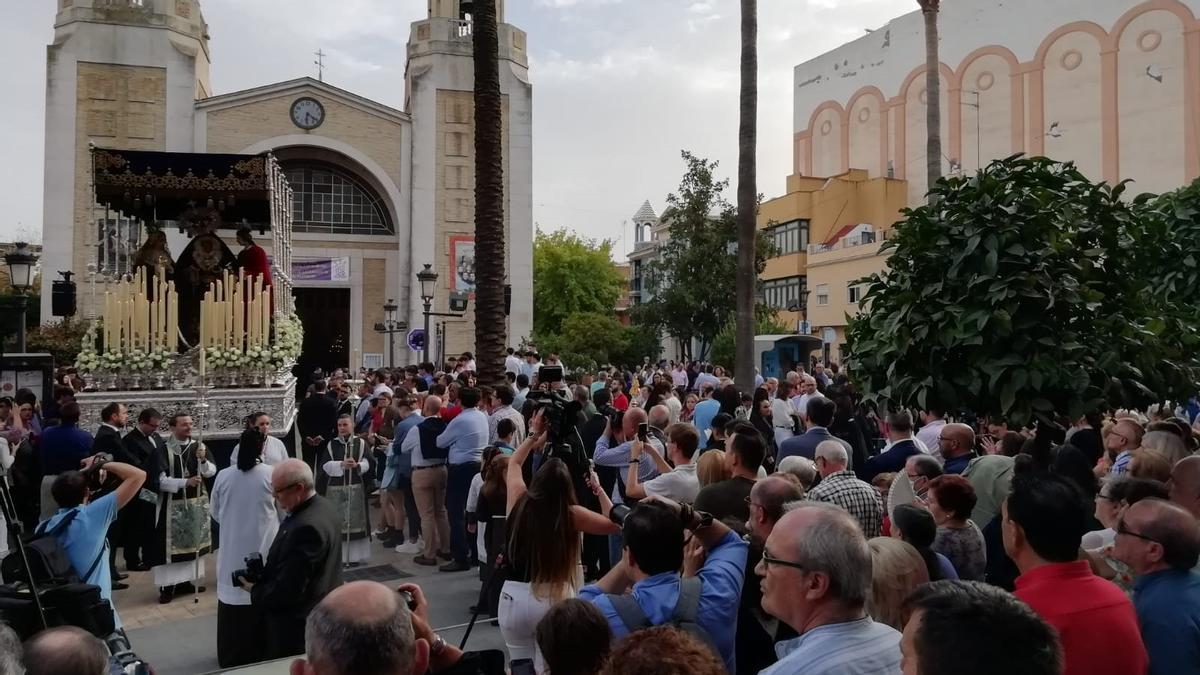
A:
(1160, 542)
(705, 410)
(83, 539)
(653, 553)
(465, 437)
(406, 408)
(816, 576)
(63, 447)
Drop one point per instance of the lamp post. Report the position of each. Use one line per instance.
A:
(428, 279)
(391, 326)
(21, 262)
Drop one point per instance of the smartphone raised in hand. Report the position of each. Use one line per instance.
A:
(643, 432)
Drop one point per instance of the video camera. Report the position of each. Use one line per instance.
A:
(252, 572)
(560, 413)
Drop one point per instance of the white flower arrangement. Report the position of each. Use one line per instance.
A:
(289, 339)
(88, 360)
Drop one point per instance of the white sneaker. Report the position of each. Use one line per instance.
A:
(411, 547)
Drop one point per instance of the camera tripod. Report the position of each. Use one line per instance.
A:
(16, 529)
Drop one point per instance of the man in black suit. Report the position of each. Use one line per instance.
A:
(304, 563)
(317, 419)
(113, 418)
(820, 415)
(141, 447)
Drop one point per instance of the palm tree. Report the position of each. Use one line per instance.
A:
(933, 92)
(490, 325)
(747, 197)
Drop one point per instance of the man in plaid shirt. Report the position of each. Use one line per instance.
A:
(840, 486)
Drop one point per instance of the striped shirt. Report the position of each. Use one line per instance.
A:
(860, 647)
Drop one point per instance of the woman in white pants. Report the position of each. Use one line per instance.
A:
(544, 526)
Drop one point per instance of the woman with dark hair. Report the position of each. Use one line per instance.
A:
(761, 416)
(916, 526)
(574, 638)
(544, 525)
(731, 400)
(951, 499)
(243, 504)
(485, 516)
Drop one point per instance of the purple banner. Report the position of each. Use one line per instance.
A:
(321, 269)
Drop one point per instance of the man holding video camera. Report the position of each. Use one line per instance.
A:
(704, 601)
(87, 522)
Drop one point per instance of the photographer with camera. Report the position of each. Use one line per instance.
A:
(242, 504)
(543, 558)
(303, 564)
(703, 602)
(81, 525)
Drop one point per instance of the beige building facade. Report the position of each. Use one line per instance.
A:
(378, 192)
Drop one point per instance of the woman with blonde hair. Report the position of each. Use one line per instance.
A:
(1167, 444)
(897, 569)
(1151, 464)
(710, 468)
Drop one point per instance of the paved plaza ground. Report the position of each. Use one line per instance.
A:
(180, 638)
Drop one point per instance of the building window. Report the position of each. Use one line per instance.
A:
(854, 293)
(329, 200)
(790, 237)
(784, 293)
(822, 295)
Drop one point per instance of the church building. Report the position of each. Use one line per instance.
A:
(378, 193)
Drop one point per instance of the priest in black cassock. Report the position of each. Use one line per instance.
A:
(139, 448)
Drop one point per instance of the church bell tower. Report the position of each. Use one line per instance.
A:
(119, 74)
(439, 80)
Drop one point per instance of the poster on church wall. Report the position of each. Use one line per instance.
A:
(462, 262)
(321, 269)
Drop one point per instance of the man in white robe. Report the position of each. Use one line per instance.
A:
(184, 532)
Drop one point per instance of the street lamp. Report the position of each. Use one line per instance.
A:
(428, 279)
(391, 326)
(21, 262)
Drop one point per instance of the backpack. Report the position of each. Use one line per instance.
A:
(683, 616)
(48, 561)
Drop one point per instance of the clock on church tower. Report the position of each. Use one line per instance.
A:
(307, 113)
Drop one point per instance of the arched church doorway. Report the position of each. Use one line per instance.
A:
(325, 314)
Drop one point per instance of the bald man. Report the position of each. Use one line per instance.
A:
(767, 500)
(362, 627)
(63, 650)
(304, 562)
(957, 445)
(429, 480)
(1160, 542)
(618, 456)
(1123, 438)
(1185, 484)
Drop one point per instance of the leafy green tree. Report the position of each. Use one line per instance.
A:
(1013, 294)
(588, 340)
(691, 284)
(571, 275)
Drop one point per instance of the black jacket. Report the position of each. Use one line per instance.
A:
(303, 565)
(317, 416)
(107, 440)
(140, 450)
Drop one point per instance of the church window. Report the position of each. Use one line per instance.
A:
(329, 200)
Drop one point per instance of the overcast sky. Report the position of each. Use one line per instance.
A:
(620, 86)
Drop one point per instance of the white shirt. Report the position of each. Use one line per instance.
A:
(681, 484)
(928, 437)
(512, 364)
(412, 445)
(242, 504)
(274, 452)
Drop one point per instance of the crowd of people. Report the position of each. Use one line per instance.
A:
(666, 518)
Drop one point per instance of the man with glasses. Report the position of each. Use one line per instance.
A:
(1161, 544)
(816, 575)
(1043, 522)
(1124, 437)
(757, 633)
(304, 563)
(956, 442)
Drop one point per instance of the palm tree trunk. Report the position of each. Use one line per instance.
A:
(933, 93)
(747, 199)
(490, 325)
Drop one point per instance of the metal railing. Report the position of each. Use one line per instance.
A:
(860, 239)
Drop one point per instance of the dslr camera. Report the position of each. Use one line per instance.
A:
(92, 473)
(252, 572)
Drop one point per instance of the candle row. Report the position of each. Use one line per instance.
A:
(236, 313)
(140, 313)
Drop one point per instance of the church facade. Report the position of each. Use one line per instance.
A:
(378, 193)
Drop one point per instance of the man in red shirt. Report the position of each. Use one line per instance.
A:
(1043, 522)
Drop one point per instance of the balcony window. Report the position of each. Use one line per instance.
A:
(822, 295)
(790, 237)
(783, 293)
